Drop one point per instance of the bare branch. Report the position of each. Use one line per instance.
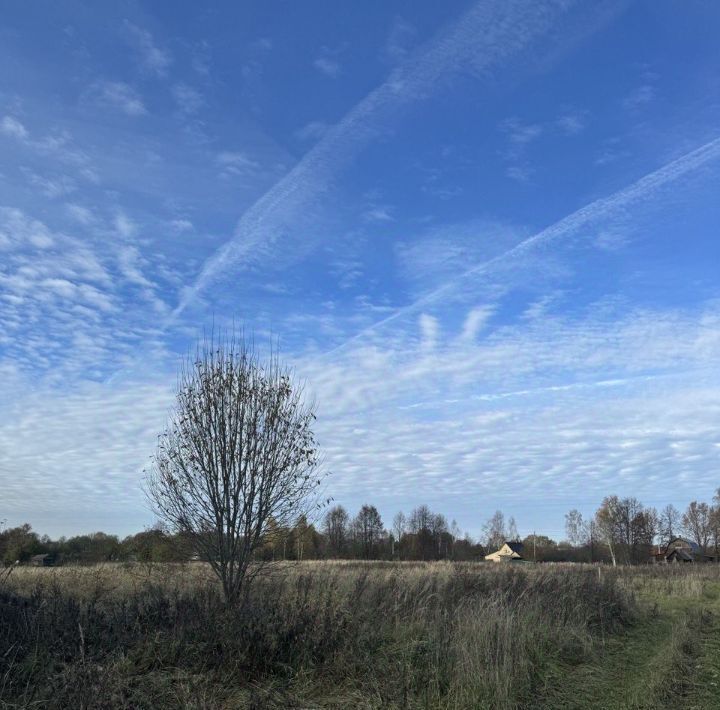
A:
(238, 452)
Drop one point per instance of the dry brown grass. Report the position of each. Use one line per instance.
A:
(315, 634)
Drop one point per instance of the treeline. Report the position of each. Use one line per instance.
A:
(420, 535)
(622, 531)
(22, 543)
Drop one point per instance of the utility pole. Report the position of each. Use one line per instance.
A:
(534, 546)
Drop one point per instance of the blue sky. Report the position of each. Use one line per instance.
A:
(485, 234)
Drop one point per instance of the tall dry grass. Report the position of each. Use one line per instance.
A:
(371, 635)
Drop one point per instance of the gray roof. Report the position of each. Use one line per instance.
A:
(515, 546)
(692, 545)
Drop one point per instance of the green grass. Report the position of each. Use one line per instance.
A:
(668, 658)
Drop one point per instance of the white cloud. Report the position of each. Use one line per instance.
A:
(189, 100)
(119, 95)
(182, 225)
(327, 66)
(429, 330)
(378, 214)
(428, 259)
(56, 186)
(80, 214)
(10, 126)
(153, 59)
(96, 439)
(571, 123)
(129, 261)
(482, 38)
(314, 131)
(235, 163)
(569, 407)
(612, 239)
(520, 133)
(521, 173)
(17, 230)
(646, 188)
(611, 152)
(475, 321)
(124, 226)
(70, 290)
(60, 146)
(640, 97)
(401, 38)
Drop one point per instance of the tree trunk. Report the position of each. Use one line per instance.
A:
(612, 553)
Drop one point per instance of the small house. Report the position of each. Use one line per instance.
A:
(45, 560)
(679, 554)
(681, 550)
(509, 552)
(682, 543)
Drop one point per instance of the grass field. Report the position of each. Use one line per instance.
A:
(362, 635)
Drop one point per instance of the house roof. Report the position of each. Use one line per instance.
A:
(692, 545)
(515, 546)
(682, 554)
(40, 557)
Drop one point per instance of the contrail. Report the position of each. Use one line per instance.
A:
(574, 386)
(488, 33)
(641, 189)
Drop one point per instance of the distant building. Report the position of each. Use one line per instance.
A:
(680, 554)
(509, 552)
(682, 550)
(45, 560)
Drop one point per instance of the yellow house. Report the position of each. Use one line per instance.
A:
(509, 552)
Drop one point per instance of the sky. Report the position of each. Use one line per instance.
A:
(484, 234)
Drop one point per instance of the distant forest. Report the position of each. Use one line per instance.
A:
(622, 530)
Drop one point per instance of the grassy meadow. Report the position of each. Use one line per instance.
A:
(362, 635)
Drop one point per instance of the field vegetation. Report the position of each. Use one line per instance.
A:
(361, 634)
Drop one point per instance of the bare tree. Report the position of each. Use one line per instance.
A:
(581, 532)
(420, 525)
(420, 519)
(455, 534)
(669, 524)
(399, 527)
(494, 531)
(576, 528)
(645, 526)
(637, 528)
(607, 522)
(627, 527)
(439, 533)
(336, 529)
(512, 529)
(368, 529)
(696, 522)
(715, 522)
(238, 454)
